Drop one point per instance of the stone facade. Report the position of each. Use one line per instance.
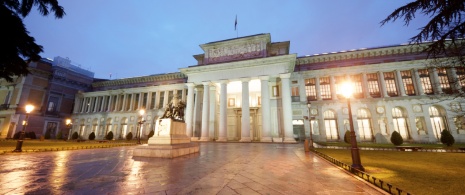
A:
(251, 89)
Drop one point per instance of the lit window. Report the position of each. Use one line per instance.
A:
(390, 81)
(444, 81)
(330, 125)
(357, 82)
(373, 85)
(425, 81)
(310, 89)
(325, 88)
(408, 82)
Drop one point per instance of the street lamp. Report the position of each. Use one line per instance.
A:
(69, 125)
(347, 90)
(310, 122)
(141, 121)
(19, 144)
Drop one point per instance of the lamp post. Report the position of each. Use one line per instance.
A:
(69, 125)
(19, 144)
(347, 90)
(141, 121)
(310, 124)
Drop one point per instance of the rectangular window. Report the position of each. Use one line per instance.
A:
(52, 105)
(128, 102)
(106, 104)
(325, 88)
(373, 85)
(408, 82)
(93, 104)
(144, 100)
(339, 80)
(358, 88)
(100, 104)
(136, 101)
(444, 81)
(425, 81)
(295, 94)
(120, 102)
(179, 94)
(390, 81)
(310, 89)
(461, 77)
(113, 103)
(152, 100)
(161, 104)
(170, 96)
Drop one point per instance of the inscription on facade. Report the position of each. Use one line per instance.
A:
(234, 52)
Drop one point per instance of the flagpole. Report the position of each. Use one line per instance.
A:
(235, 27)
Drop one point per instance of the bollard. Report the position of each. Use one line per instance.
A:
(306, 145)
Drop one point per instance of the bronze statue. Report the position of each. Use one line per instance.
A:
(175, 110)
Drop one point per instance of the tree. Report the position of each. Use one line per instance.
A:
(396, 138)
(16, 44)
(447, 138)
(109, 136)
(75, 136)
(446, 29)
(129, 136)
(92, 136)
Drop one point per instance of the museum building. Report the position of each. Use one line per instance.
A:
(249, 89)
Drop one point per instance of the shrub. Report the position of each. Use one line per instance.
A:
(47, 134)
(32, 135)
(151, 133)
(129, 136)
(59, 135)
(396, 138)
(109, 136)
(347, 137)
(16, 135)
(75, 136)
(447, 138)
(92, 136)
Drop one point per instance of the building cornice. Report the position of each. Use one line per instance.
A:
(143, 79)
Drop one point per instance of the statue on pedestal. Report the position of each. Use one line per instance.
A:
(175, 110)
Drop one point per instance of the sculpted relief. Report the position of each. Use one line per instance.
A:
(234, 52)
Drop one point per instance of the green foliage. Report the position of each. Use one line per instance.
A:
(151, 133)
(396, 138)
(447, 138)
(347, 137)
(18, 48)
(59, 135)
(129, 136)
(109, 136)
(47, 134)
(75, 136)
(92, 136)
(31, 135)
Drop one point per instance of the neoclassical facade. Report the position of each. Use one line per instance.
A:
(250, 89)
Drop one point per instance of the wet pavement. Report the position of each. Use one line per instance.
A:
(219, 168)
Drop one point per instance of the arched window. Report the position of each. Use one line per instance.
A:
(330, 125)
(364, 125)
(108, 126)
(437, 120)
(124, 128)
(94, 126)
(399, 120)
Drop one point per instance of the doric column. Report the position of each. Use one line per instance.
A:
(205, 111)
(455, 79)
(245, 121)
(333, 88)
(124, 102)
(265, 102)
(382, 82)
(436, 83)
(189, 109)
(419, 88)
(223, 111)
(366, 91)
(287, 108)
(400, 83)
(317, 88)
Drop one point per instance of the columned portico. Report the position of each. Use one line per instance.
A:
(223, 111)
(266, 118)
(189, 109)
(287, 109)
(205, 112)
(245, 119)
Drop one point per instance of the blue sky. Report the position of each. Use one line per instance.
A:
(144, 37)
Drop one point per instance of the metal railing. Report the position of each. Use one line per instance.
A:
(365, 176)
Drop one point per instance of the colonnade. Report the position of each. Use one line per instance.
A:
(245, 110)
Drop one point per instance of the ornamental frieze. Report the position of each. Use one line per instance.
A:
(235, 52)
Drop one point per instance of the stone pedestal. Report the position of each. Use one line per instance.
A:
(169, 141)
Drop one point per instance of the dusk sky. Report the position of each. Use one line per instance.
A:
(144, 37)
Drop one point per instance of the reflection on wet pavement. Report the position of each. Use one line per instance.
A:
(219, 168)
